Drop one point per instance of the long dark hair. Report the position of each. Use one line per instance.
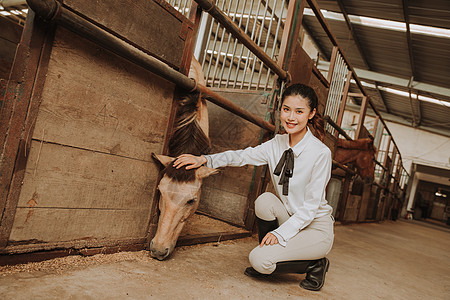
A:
(306, 92)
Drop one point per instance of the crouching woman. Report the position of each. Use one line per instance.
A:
(295, 227)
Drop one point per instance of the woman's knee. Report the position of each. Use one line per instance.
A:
(263, 206)
(260, 262)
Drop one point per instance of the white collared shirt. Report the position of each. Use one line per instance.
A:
(312, 171)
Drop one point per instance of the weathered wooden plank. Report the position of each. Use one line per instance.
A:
(364, 205)
(66, 177)
(163, 26)
(71, 194)
(351, 210)
(201, 224)
(321, 91)
(17, 114)
(9, 38)
(300, 66)
(95, 100)
(226, 205)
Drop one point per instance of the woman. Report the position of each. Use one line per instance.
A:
(295, 227)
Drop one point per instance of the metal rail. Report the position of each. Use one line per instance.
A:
(336, 126)
(53, 11)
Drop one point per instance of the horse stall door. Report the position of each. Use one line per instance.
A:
(227, 198)
(84, 176)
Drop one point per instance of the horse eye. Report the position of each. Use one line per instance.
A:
(190, 201)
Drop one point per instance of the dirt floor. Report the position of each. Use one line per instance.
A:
(391, 260)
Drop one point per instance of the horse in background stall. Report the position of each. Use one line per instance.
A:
(180, 188)
(361, 152)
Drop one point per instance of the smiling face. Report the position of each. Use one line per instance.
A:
(294, 116)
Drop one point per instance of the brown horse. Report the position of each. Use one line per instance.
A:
(180, 188)
(361, 152)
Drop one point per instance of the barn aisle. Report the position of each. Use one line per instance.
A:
(391, 260)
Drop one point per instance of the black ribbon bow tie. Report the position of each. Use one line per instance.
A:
(287, 164)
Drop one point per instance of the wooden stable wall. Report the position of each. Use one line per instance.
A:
(77, 170)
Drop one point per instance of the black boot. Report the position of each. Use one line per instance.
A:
(283, 267)
(315, 274)
(263, 228)
(315, 271)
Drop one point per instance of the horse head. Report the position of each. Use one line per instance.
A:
(180, 195)
(361, 152)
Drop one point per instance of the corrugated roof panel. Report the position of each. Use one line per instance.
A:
(431, 12)
(386, 50)
(340, 30)
(431, 59)
(435, 116)
(382, 9)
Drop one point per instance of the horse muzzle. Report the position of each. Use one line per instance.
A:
(159, 252)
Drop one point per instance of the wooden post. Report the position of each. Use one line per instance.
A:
(344, 100)
(30, 63)
(362, 116)
(332, 63)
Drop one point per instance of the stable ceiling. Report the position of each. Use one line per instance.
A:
(411, 54)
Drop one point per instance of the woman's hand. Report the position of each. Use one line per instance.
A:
(190, 161)
(269, 239)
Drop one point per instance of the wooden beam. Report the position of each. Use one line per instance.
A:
(362, 116)
(344, 99)
(210, 237)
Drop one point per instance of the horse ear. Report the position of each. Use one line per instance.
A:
(163, 159)
(204, 172)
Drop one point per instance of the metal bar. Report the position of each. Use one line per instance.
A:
(213, 79)
(227, 48)
(263, 22)
(53, 11)
(327, 119)
(212, 50)
(226, 22)
(275, 43)
(340, 84)
(234, 49)
(343, 167)
(249, 52)
(266, 43)
(238, 66)
(208, 41)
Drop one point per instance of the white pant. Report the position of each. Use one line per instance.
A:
(312, 242)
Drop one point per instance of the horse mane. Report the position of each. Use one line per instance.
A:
(187, 137)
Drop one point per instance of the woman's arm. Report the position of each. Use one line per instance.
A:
(249, 156)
